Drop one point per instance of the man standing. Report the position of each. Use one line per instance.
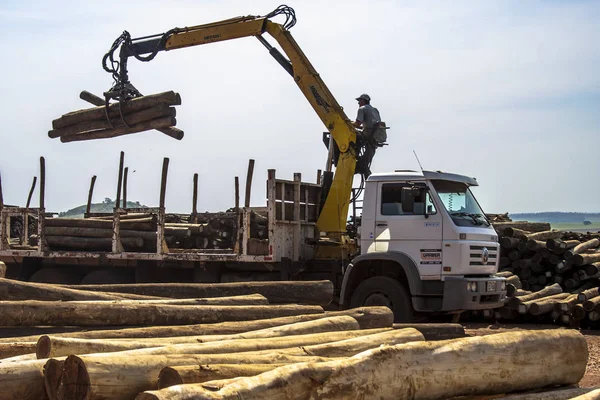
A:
(373, 131)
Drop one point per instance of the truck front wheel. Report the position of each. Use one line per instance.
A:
(384, 291)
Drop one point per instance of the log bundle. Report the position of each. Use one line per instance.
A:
(208, 231)
(136, 115)
(238, 339)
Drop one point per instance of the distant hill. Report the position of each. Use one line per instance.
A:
(556, 217)
(105, 207)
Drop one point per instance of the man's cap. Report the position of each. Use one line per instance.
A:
(364, 96)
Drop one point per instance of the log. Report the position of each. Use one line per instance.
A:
(98, 101)
(223, 346)
(171, 376)
(433, 331)
(367, 317)
(533, 244)
(133, 105)
(509, 242)
(157, 123)
(343, 348)
(578, 312)
(547, 291)
(508, 228)
(39, 313)
(582, 259)
(592, 395)
(490, 364)
(161, 110)
(23, 357)
(142, 224)
(525, 306)
(301, 292)
(107, 233)
(22, 380)
(16, 349)
(545, 235)
(82, 243)
(244, 300)
(92, 377)
(588, 294)
(504, 274)
(49, 346)
(567, 304)
(515, 281)
(17, 290)
(544, 306)
(588, 245)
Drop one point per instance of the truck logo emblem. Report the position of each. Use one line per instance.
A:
(485, 256)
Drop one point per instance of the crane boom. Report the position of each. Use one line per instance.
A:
(332, 218)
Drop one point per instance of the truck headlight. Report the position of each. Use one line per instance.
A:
(472, 286)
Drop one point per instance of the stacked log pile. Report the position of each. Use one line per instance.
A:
(136, 115)
(550, 275)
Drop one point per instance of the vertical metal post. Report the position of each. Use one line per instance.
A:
(238, 222)
(125, 173)
(25, 231)
(42, 211)
(161, 246)
(318, 177)
(249, 183)
(297, 223)
(117, 246)
(3, 239)
(195, 200)
(88, 207)
(272, 209)
(120, 180)
(31, 191)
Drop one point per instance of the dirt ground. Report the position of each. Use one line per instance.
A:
(592, 374)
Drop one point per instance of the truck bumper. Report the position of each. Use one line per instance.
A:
(464, 293)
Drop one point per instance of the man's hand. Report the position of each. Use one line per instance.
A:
(357, 124)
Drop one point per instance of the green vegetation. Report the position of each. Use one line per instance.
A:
(105, 207)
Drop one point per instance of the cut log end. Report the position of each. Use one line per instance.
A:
(75, 383)
(169, 376)
(43, 348)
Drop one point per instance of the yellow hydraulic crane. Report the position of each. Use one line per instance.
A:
(332, 219)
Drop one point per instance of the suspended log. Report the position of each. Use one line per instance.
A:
(158, 123)
(158, 111)
(547, 291)
(92, 377)
(36, 313)
(367, 317)
(301, 292)
(171, 376)
(48, 346)
(17, 290)
(133, 105)
(475, 366)
(97, 243)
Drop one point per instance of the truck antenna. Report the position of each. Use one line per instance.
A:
(417, 157)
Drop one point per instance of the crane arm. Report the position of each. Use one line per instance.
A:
(332, 219)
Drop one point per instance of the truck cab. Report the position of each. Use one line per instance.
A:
(425, 246)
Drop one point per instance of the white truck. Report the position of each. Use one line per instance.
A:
(426, 245)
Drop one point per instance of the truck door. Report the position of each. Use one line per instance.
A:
(413, 228)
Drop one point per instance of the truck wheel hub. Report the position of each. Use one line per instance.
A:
(378, 299)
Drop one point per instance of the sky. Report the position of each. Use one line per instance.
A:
(507, 92)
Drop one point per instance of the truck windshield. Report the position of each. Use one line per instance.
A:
(460, 203)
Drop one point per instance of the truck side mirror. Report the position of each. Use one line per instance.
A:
(407, 197)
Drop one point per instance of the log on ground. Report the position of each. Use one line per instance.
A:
(433, 331)
(243, 300)
(301, 292)
(177, 375)
(36, 313)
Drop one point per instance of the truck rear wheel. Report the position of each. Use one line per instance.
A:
(384, 291)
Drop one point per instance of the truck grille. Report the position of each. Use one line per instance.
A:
(476, 256)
